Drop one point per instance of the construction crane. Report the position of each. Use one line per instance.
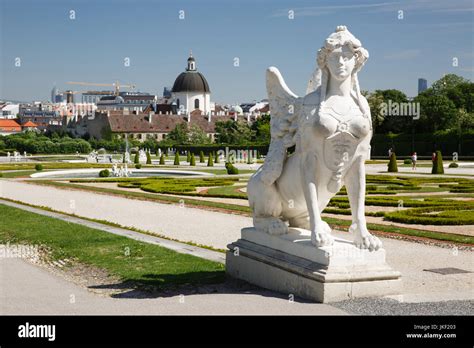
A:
(116, 85)
(70, 95)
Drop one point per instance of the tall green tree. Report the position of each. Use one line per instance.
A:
(234, 132)
(197, 136)
(375, 103)
(180, 134)
(447, 82)
(438, 112)
(261, 127)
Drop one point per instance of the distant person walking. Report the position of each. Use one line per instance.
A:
(414, 158)
(390, 151)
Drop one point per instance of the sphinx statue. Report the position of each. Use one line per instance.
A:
(330, 129)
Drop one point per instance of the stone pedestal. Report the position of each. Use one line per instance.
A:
(292, 265)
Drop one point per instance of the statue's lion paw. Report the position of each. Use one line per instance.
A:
(326, 228)
(367, 241)
(277, 227)
(321, 239)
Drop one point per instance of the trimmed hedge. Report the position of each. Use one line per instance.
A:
(39, 167)
(438, 164)
(209, 148)
(210, 162)
(231, 169)
(392, 164)
(174, 185)
(104, 173)
(423, 143)
(446, 215)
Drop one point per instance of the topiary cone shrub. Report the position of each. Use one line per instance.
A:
(162, 159)
(176, 159)
(210, 162)
(201, 157)
(192, 161)
(188, 157)
(231, 169)
(392, 164)
(216, 157)
(148, 157)
(124, 157)
(438, 164)
(137, 158)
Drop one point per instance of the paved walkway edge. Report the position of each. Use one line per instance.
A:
(182, 248)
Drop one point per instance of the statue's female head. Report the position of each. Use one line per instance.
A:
(341, 57)
(342, 49)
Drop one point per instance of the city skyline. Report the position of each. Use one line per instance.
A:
(427, 39)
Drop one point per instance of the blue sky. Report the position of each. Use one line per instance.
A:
(55, 49)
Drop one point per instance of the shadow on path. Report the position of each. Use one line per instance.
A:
(171, 285)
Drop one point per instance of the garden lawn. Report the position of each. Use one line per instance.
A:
(134, 262)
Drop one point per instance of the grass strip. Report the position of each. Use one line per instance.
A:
(132, 261)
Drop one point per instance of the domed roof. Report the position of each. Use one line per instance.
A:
(191, 81)
(237, 109)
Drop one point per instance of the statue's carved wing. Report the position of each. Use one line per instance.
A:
(285, 109)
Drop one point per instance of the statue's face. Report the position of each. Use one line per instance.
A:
(341, 62)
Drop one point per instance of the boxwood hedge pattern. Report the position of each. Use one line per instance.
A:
(381, 190)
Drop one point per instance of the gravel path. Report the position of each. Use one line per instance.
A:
(54, 295)
(380, 306)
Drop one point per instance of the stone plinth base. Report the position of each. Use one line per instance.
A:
(292, 265)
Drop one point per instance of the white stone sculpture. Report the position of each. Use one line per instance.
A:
(290, 249)
(92, 157)
(115, 170)
(142, 156)
(331, 128)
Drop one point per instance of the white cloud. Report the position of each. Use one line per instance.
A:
(440, 6)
